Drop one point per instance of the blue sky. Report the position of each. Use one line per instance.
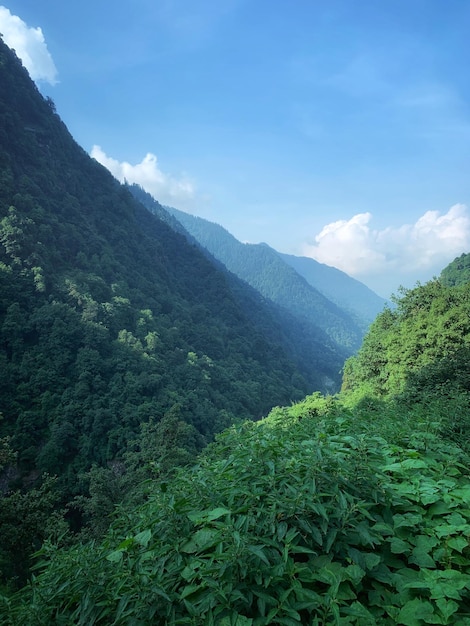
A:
(335, 129)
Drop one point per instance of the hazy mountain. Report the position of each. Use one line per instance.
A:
(276, 278)
(319, 357)
(345, 291)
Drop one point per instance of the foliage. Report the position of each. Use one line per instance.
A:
(100, 305)
(109, 319)
(123, 350)
(264, 269)
(318, 514)
(26, 520)
(154, 455)
(348, 293)
(457, 272)
(430, 323)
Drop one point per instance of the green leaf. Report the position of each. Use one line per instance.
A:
(143, 537)
(447, 608)
(330, 539)
(216, 513)
(371, 560)
(415, 611)
(115, 556)
(189, 590)
(421, 558)
(439, 508)
(258, 551)
(407, 464)
(458, 543)
(301, 550)
(281, 530)
(199, 517)
(126, 543)
(398, 546)
(420, 555)
(355, 573)
(365, 617)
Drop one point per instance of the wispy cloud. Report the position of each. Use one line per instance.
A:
(29, 45)
(163, 187)
(400, 253)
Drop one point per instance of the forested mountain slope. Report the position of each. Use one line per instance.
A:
(122, 344)
(457, 272)
(262, 268)
(348, 293)
(108, 317)
(318, 356)
(351, 509)
(423, 342)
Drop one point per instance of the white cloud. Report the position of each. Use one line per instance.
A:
(163, 187)
(394, 255)
(29, 45)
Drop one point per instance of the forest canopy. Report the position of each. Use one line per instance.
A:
(347, 509)
(125, 350)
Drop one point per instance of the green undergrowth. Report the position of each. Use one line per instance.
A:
(316, 515)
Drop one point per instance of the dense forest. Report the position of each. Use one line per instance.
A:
(266, 270)
(330, 299)
(117, 336)
(345, 509)
(319, 334)
(138, 483)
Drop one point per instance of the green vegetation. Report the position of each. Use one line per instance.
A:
(427, 331)
(336, 510)
(348, 293)
(124, 350)
(457, 272)
(318, 514)
(109, 321)
(270, 274)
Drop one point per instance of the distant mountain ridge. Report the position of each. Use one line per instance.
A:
(347, 292)
(318, 355)
(326, 298)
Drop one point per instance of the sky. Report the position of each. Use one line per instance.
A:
(334, 129)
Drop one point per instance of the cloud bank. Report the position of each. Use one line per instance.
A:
(29, 45)
(163, 187)
(395, 255)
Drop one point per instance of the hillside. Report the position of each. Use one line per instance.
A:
(457, 272)
(428, 331)
(108, 317)
(340, 510)
(348, 293)
(262, 268)
(319, 357)
(124, 348)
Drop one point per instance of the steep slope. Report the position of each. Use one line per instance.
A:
(318, 357)
(426, 336)
(457, 272)
(108, 317)
(316, 515)
(262, 268)
(348, 293)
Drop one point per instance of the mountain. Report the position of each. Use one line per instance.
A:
(278, 278)
(318, 356)
(457, 272)
(350, 509)
(426, 336)
(109, 318)
(348, 293)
